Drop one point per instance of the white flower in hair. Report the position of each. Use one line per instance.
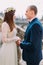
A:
(9, 9)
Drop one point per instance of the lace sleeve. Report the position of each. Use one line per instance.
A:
(5, 29)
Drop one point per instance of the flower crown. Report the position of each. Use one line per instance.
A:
(9, 9)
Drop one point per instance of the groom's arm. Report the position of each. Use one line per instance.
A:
(33, 38)
(25, 45)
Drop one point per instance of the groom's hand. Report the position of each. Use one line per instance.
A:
(18, 42)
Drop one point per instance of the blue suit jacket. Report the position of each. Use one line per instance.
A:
(32, 49)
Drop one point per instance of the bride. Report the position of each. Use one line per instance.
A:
(8, 51)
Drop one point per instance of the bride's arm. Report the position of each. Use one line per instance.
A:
(5, 30)
(5, 39)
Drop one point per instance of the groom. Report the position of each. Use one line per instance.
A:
(32, 49)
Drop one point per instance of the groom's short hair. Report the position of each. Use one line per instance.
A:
(34, 8)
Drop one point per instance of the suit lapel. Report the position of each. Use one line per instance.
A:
(30, 26)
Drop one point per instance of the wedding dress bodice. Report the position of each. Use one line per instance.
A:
(12, 34)
(7, 35)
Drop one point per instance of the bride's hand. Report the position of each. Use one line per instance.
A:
(18, 42)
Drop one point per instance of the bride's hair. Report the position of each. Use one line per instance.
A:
(9, 19)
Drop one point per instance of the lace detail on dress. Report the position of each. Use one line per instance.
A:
(8, 36)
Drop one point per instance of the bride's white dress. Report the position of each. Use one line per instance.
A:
(8, 51)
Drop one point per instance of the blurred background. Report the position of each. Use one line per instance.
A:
(20, 6)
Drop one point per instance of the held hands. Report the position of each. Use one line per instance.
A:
(18, 42)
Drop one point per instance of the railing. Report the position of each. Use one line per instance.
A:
(20, 32)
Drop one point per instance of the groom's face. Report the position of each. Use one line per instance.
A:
(29, 13)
